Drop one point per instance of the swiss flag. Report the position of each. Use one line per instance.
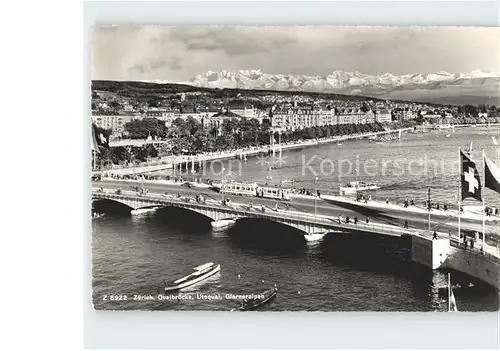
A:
(469, 178)
(99, 139)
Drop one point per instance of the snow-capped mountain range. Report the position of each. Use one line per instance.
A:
(423, 87)
(337, 81)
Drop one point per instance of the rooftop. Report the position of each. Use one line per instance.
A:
(227, 114)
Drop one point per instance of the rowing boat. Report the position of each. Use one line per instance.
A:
(200, 273)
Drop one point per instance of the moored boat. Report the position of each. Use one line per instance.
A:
(143, 211)
(223, 223)
(252, 304)
(314, 237)
(200, 273)
(96, 215)
(353, 187)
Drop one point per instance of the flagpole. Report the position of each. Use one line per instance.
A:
(429, 208)
(449, 292)
(484, 206)
(459, 191)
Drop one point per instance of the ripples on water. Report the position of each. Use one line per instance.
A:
(346, 272)
(404, 169)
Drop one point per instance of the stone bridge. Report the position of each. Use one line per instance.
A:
(424, 250)
(308, 223)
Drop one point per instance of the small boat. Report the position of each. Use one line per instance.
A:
(200, 273)
(313, 237)
(252, 304)
(142, 211)
(458, 290)
(96, 215)
(223, 223)
(353, 187)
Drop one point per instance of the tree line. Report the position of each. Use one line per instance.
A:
(190, 137)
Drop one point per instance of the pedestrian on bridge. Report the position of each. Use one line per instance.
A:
(367, 220)
(434, 236)
(406, 224)
(355, 220)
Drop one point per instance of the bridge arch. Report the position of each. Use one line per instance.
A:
(110, 206)
(186, 211)
(266, 234)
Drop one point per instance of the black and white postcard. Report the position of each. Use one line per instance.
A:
(295, 168)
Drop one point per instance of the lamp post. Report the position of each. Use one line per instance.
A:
(315, 196)
(429, 207)
(222, 184)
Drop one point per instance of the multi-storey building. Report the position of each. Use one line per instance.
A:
(293, 118)
(383, 116)
(355, 116)
(244, 111)
(404, 114)
(159, 113)
(216, 121)
(115, 122)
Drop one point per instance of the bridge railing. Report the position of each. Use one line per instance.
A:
(243, 210)
(478, 252)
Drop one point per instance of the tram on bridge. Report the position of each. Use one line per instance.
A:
(254, 189)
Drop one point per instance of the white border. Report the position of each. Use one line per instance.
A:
(281, 330)
(43, 173)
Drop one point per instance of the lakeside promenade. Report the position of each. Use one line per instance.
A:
(171, 162)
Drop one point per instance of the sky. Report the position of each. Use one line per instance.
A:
(177, 54)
